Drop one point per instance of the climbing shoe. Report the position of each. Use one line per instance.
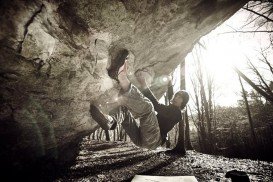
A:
(117, 61)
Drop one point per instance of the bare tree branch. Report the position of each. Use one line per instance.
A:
(267, 62)
(249, 31)
(261, 79)
(260, 91)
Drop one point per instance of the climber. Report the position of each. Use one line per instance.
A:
(167, 116)
(132, 105)
(152, 128)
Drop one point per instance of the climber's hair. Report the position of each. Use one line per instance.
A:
(184, 94)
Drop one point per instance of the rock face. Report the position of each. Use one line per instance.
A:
(54, 55)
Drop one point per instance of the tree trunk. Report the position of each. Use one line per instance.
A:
(114, 134)
(183, 86)
(168, 141)
(168, 97)
(107, 136)
(93, 135)
(187, 132)
(100, 135)
(118, 130)
(248, 112)
(121, 136)
(180, 146)
(203, 138)
(205, 104)
(200, 142)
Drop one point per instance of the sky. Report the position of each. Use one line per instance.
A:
(222, 50)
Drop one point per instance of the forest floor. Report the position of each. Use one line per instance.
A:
(119, 161)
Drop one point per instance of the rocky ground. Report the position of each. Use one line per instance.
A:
(119, 161)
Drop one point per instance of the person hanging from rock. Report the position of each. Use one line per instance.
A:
(150, 132)
(167, 115)
(132, 105)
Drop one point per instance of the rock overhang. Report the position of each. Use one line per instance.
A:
(54, 56)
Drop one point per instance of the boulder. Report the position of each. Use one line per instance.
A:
(53, 61)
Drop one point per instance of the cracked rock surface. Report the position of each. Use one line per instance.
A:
(53, 60)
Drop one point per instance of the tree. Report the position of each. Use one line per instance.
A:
(186, 118)
(248, 111)
(180, 145)
(261, 13)
(265, 64)
(202, 83)
(107, 136)
(260, 19)
(168, 97)
(254, 86)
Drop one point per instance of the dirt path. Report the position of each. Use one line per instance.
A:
(119, 161)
